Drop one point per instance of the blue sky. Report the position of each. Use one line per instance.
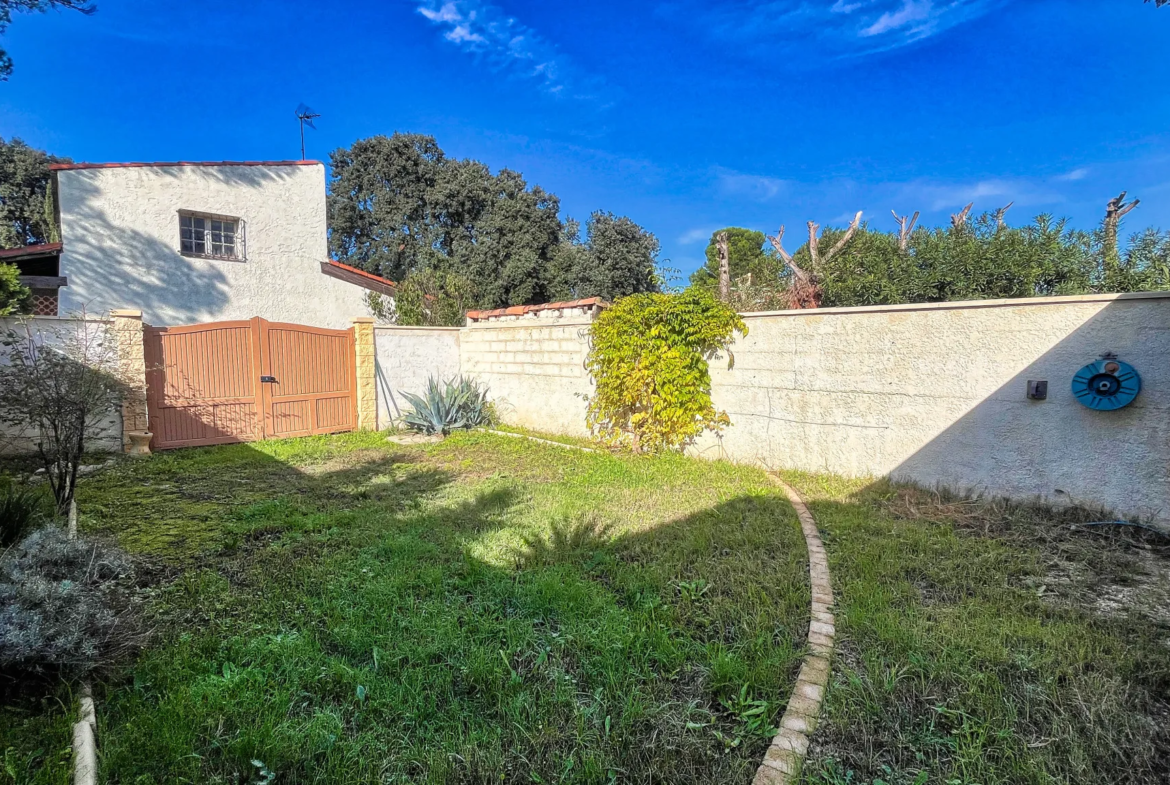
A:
(684, 115)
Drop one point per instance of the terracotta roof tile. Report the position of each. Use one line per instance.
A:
(520, 310)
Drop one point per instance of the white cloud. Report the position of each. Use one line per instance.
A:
(1076, 174)
(761, 188)
(911, 12)
(843, 7)
(692, 236)
(813, 31)
(481, 28)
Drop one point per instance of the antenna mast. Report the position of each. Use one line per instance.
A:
(305, 115)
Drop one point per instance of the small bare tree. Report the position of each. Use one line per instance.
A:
(959, 219)
(724, 267)
(59, 387)
(905, 228)
(805, 289)
(1115, 210)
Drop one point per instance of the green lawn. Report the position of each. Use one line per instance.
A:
(492, 610)
(344, 610)
(978, 645)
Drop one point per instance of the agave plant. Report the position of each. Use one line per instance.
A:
(446, 406)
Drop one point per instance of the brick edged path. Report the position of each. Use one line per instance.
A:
(784, 757)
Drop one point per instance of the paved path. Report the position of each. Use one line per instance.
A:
(784, 757)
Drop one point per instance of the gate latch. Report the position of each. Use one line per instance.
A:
(268, 380)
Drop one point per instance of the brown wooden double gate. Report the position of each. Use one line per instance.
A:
(230, 382)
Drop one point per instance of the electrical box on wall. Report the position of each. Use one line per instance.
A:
(1037, 389)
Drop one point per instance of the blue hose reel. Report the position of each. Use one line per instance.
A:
(1106, 384)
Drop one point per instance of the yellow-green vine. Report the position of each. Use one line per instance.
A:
(649, 363)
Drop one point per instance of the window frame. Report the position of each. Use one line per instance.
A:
(238, 242)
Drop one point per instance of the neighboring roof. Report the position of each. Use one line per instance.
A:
(140, 164)
(349, 274)
(24, 252)
(520, 310)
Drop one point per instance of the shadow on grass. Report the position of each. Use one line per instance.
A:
(974, 646)
(352, 635)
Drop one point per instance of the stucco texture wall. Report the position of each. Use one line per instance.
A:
(120, 229)
(937, 394)
(406, 358)
(534, 368)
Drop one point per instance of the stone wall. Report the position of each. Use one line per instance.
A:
(407, 357)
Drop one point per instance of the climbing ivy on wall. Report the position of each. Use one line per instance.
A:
(648, 360)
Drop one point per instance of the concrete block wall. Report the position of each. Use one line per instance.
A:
(533, 364)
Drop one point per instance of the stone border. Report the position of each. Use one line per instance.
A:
(538, 439)
(783, 760)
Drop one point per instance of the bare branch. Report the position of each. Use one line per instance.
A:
(778, 243)
(905, 228)
(1000, 213)
(852, 230)
(959, 219)
(813, 246)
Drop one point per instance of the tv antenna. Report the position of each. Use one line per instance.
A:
(306, 116)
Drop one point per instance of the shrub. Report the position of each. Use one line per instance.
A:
(443, 407)
(15, 297)
(22, 507)
(60, 383)
(649, 362)
(64, 605)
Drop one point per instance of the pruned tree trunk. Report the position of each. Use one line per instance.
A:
(805, 289)
(905, 228)
(724, 267)
(959, 219)
(1115, 210)
(1000, 213)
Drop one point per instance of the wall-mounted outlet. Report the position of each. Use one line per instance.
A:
(1037, 389)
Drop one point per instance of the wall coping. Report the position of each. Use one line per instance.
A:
(417, 327)
(957, 305)
(559, 321)
(25, 318)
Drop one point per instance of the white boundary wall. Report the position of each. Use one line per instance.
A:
(405, 358)
(933, 393)
(16, 440)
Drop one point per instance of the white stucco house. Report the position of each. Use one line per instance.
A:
(189, 243)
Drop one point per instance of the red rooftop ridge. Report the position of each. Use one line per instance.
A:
(520, 310)
(141, 164)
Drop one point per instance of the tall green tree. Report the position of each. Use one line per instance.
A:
(9, 7)
(398, 206)
(26, 210)
(617, 257)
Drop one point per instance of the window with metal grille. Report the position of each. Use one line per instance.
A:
(212, 236)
